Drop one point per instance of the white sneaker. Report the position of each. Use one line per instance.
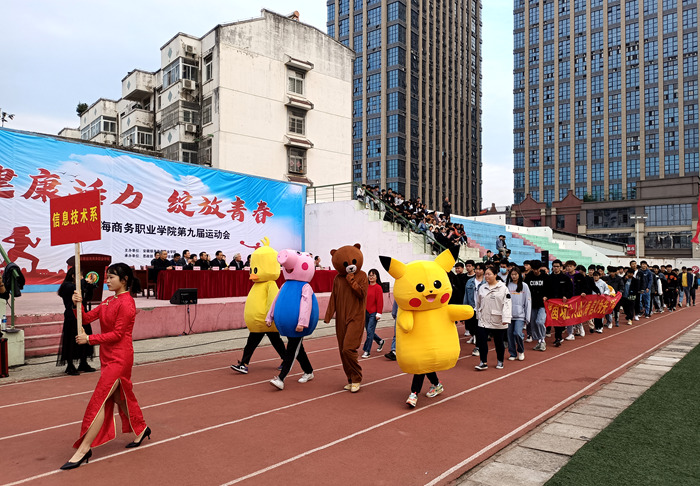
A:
(365, 355)
(306, 377)
(570, 337)
(610, 326)
(512, 358)
(277, 382)
(521, 356)
(582, 331)
(636, 318)
(528, 340)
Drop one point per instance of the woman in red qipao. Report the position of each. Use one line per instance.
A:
(116, 315)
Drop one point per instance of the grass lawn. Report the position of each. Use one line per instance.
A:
(656, 441)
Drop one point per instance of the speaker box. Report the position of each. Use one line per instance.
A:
(385, 287)
(545, 258)
(184, 297)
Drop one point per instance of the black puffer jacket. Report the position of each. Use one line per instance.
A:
(7, 280)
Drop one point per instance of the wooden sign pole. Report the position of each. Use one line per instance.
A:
(78, 289)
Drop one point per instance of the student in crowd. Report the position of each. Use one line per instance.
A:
(536, 282)
(616, 282)
(520, 313)
(471, 289)
(493, 309)
(373, 312)
(630, 293)
(646, 282)
(559, 286)
(600, 288)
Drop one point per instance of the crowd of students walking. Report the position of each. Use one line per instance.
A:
(509, 300)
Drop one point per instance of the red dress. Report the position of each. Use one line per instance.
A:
(116, 315)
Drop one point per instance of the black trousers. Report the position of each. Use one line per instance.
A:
(598, 323)
(472, 325)
(295, 350)
(417, 383)
(559, 332)
(482, 341)
(254, 339)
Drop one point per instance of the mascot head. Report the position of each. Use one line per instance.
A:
(421, 285)
(263, 263)
(296, 265)
(347, 259)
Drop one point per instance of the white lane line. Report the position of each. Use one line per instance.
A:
(458, 395)
(494, 444)
(182, 399)
(213, 427)
(57, 397)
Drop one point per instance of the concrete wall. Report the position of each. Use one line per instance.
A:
(251, 76)
(335, 224)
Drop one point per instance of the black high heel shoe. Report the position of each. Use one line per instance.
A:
(146, 433)
(73, 465)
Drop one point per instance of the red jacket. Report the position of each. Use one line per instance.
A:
(375, 299)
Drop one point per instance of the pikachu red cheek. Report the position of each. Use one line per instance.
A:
(415, 302)
(445, 298)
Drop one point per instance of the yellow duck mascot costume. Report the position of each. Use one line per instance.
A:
(427, 340)
(264, 272)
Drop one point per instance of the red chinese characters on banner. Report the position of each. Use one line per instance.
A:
(44, 186)
(579, 309)
(124, 196)
(75, 218)
(237, 210)
(262, 213)
(178, 204)
(95, 186)
(6, 188)
(211, 207)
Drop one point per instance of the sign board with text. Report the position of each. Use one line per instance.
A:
(76, 218)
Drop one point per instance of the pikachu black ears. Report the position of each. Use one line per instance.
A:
(397, 269)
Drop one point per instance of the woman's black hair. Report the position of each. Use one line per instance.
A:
(124, 272)
(519, 285)
(70, 275)
(376, 272)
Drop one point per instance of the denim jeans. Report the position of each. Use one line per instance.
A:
(370, 326)
(515, 337)
(538, 317)
(646, 303)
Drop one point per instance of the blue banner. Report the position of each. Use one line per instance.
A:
(148, 204)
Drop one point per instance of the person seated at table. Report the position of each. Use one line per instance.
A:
(160, 263)
(219, 261)
(203, 262)
(155, 258)
(181, 261)
(317, 262)
(247, 263)
(237, 262)
(191, 261)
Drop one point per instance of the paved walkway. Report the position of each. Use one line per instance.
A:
(534, 458)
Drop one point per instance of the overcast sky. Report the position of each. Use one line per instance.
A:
(61, 52)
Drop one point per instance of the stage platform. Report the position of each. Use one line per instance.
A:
(40, 315)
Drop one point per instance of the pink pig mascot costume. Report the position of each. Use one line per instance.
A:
(295, 312)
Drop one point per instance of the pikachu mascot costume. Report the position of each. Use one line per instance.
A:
(264, 272)
(427, 340)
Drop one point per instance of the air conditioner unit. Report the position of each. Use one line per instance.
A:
(190, 127)
(189, 49)
(189, 84)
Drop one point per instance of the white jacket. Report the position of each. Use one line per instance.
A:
(493, 306)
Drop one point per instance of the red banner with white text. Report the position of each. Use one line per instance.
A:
(579, 309)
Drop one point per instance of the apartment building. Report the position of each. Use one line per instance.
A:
(416, 96)
(270, 97)
(605, 98)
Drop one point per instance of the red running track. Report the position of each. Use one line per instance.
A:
(212, 426)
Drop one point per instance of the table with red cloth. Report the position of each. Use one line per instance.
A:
(225, 283)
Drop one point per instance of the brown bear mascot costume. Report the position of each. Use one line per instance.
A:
(347, 301)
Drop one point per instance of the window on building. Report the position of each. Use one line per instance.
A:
(669, 215)
(295, 81)
(633, 169)
(691, 162)
(171, 74)
(296, 160)
(651, 166)
(671, 164)
(296, 121)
